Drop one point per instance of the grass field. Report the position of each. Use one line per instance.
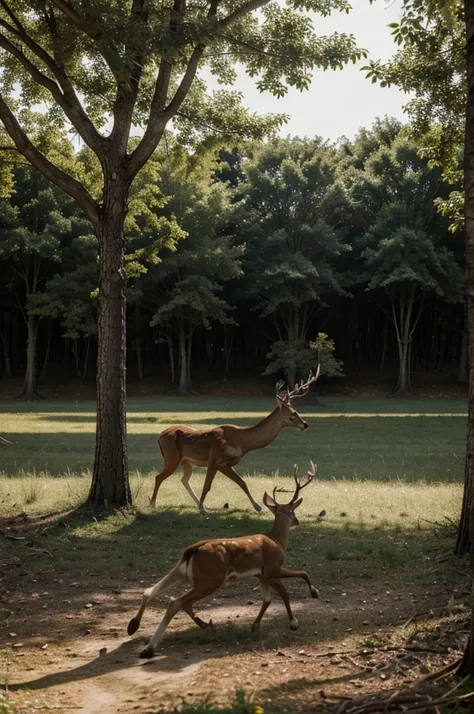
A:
(368, 439)
(390, 483)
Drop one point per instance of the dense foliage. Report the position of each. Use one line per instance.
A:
(237, 261)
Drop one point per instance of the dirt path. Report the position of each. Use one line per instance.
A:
(80, 659)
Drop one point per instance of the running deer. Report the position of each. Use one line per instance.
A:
(221, 448)
(207, 565)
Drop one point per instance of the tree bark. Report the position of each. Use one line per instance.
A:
(138, 346)
(48, 349)
(86, 359)
(110, 483)
(466, 526)
(183, 363)
(6, 343)
(463, 376)
(75, 352)
(29, 392)
(188, 361)
(404, 330)
(171, 352)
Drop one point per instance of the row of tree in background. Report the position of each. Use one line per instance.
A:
(242, 260)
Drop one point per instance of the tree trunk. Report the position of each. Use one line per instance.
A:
(48, 349)
(171, 351)
(384, 343)
(403, 367)
(6, 342)
(404, 332)
(110, 482)
(188, 362)
(183, 363)
(86, 360)
(75, 352)
(138, 347)
(29, 392)
(466, 526)
(463, 375)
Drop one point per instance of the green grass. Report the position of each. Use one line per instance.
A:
(387, 471)
(384, 440)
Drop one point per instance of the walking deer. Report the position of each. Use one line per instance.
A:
(222, 447)
(208, 564)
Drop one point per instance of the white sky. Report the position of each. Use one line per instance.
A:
(340, 102)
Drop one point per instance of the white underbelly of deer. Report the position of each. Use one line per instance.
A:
(193, 462)
(235, 575)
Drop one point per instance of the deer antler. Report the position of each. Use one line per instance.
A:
(300, 388)
(282, 391)
(299, 484)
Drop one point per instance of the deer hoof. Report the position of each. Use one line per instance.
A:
(257, 507)
(147, 653)
(202, 508)
(294, 624)
(133, 626)
(255, 627)
(314, 592)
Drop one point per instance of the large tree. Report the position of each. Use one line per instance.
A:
(34, 223)
(437, 64)
(189, 280)
(406, 248)
(108, 69)
(292, 244)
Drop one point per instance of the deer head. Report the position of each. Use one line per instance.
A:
(288, 509)
(288, 414)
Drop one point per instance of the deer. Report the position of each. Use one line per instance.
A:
(207, 565)
(222, 447)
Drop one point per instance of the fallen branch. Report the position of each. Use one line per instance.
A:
(413, 617)
(440, 673)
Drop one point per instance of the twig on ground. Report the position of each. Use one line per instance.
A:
(440, 673)
(457, 685)
(413, 617)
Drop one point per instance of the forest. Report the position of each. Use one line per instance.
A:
(263, 258)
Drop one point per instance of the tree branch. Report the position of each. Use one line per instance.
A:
(68, 100)
(242, 12)
(109, 53)
(127, 92)
(156, 124)
(66, 182)
(160, 114)
(75, 19)
(31, 68)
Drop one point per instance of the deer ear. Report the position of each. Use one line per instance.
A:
(269, 502)
(297, 503)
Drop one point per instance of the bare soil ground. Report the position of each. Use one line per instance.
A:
(65, 648)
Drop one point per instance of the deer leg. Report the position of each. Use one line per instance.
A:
(185, 602)
(174, 577)
(267, 598)
(188, 609)
(187, 473)
(228, 471)
(278, 586)
(285, 573)
(159, 478)
(210, 475)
